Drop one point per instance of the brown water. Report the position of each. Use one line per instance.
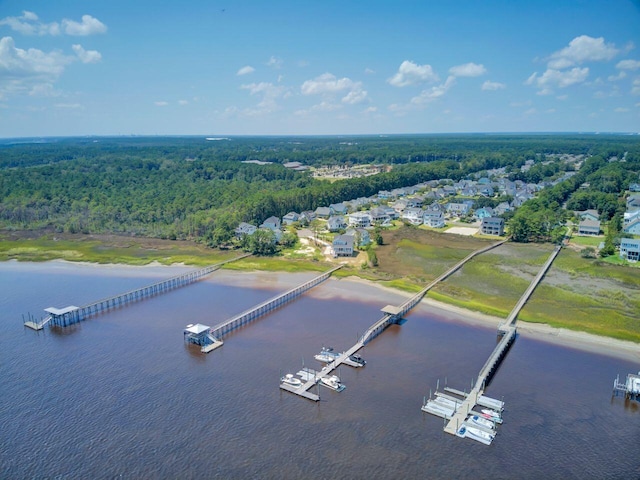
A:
(122, 395)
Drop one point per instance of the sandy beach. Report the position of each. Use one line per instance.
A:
(365, 290)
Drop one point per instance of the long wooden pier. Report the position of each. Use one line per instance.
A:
(69, 315)
(256, 312)
(508, 332)
(391, 315)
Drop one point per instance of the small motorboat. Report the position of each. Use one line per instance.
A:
(357, 359)
(491, 415)
(478, 435)
(332, 382)
(483, 422)
(290, 379)
(326, 355)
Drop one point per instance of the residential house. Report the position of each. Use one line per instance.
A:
(338, 208)
(492, 226)
(633, 228)
(589, 227)
(400, 205)
(449, 190)
(415, 202)
(390, 211)
(630, 249)
(343, 246)
(379, 216)
(398, 192)
(385, 195)
(271, 223)
(590, 214)
(630, 217)
(634, 187)
(633, 201)
(323, 212)
(433, 218)
(245, 229)
(290, 218)
(415, 216)
(307, 217)
(469, 191)
(360, 219)
(336, 223)
(501, 209)
(484, 212)
(486, 191)
(362, 238)
(458, 209)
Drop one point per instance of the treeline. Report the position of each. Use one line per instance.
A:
(187, 187)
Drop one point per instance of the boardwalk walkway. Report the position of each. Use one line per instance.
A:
(508, 330)
(256, 312)
(72, 314)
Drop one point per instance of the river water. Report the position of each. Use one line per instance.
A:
(121, 394)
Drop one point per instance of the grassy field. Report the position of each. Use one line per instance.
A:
(582, 294)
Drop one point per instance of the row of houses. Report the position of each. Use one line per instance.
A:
(631, 219)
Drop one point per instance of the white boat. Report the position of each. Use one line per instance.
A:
(332, 382)
(491, 415)
(483, 422)
(452, 404)
(480, 435)
(475, 434)
(326, 355)
(290, 379)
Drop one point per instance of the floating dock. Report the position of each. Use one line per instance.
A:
(630, 388)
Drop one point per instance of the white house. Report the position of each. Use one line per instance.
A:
(343, 246)
(492, 226)
(433, 218)
(360, 219)
(630, 249)
(633, 228)
(415, 216)
(589, 227)
(335, 223)
(245, 229)
(290, 218)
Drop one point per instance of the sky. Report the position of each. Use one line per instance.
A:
(312, 67)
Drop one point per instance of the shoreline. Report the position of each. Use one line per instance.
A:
(370, 291)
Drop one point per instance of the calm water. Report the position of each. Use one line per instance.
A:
(121, 395)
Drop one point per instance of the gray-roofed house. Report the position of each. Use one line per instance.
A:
(290, 218)
(360, 219)
(415, 216)
(272, 223)
(433, 218)
(245, 229)
(343, 246)
(361, 236)
(323, 212)
(338, 208)
(633, 228)
(589, 215)
(630, 249)
(336, 223)
(492, 226)
(589, 227)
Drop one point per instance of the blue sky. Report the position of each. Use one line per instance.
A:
(318, 67)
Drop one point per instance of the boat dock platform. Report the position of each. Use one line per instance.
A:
(63, 317)
(476, 396)
(630, 388)
(392, 314)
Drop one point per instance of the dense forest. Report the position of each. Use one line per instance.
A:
(193, 188)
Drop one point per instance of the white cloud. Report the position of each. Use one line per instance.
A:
(562, 97)
(329, 84)
(468, 70)
(491, 86)
(615, 78)
(86, 56)
(552, 78)
(71, 106)
(275, 62)
(369, 71)
(29, 71)
(183, 102)
(628, 64)
(635, 90)
(526, 103)
(88, 26)
(373, 110)
(582, 49)
(531, 111)
(269, 92)
(161, 103)
(28, 24)
(326, 107)
(433, 93)
(621, 110)
(410, 73)
(245, 70)
(550, 110)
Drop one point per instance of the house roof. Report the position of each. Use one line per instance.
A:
(589, 224)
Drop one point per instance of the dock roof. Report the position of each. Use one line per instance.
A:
(198, 328)
(61, 311)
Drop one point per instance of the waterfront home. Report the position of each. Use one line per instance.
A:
(492, 226)
(415, 216)
(336, 223)
(245, 229)
(633, 228)
(589, 227)
(343, 246)
(290, 218)
(361, 237)
(390, 211)
(359, 219)
(433, 218)
(630, 249)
